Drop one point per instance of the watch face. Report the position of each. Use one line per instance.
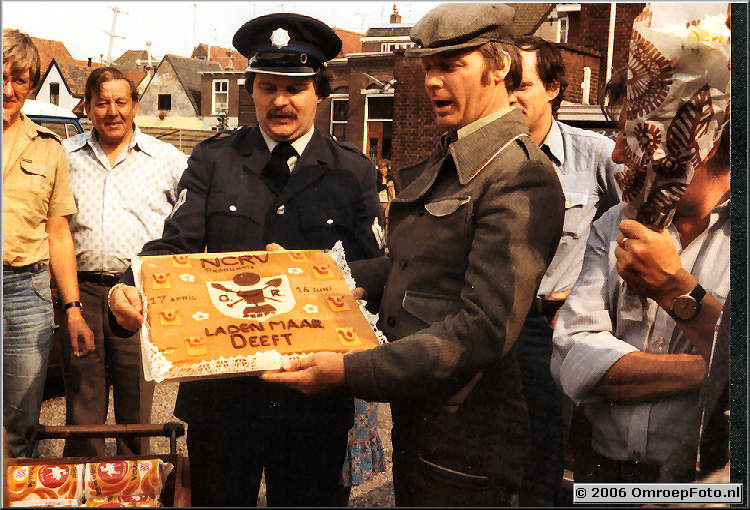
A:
(685, 307)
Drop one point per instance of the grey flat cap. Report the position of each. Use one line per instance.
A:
(450, 27)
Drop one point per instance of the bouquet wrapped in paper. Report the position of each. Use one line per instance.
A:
(678, 91)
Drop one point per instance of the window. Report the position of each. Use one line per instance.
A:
(165, 102)
(378, 126)
(339, 117)
(220, 100)
(380, 108)
(389, 47)
(54, 93)
(562, 30)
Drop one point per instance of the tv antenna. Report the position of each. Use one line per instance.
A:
(111, 33)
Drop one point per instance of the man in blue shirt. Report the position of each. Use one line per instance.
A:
(584, 166)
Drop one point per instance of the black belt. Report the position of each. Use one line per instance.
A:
(545, 307)
(101, 278)
(36, 267)
(624, 471)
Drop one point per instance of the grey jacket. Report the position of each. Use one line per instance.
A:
(470, 237)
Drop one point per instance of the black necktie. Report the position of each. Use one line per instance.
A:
(277, 170)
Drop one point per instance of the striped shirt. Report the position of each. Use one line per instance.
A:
(120, 206)
(599, 324)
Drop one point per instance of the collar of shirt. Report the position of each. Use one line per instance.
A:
(554, 142)
(471, 153)
(91, 138)
(480, 123)
(300, 144)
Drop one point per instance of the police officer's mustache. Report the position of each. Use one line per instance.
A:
(282, 113)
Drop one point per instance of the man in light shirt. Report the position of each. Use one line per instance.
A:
(583, 164)
(125, 184)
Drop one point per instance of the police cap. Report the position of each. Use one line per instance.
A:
(450, 27)
(286, 44)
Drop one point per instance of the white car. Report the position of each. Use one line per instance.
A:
(61, 121)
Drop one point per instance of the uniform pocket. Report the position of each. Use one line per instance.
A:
(232, 224)
(323, 216)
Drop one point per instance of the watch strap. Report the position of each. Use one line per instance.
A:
(698, 293)
(72, 304)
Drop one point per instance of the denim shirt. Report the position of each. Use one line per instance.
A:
(584, 165)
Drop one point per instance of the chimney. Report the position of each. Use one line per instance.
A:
(395, 16)
(89, 64)
(231, 64)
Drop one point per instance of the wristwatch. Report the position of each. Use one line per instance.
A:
(72, 304)
(687, 306)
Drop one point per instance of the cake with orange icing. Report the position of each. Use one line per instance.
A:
(209, 314)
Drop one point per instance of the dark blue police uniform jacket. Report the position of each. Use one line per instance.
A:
(225, 204)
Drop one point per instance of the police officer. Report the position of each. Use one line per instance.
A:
(279, 182)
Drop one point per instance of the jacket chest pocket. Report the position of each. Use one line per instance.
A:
(233, 224)
(440, 232)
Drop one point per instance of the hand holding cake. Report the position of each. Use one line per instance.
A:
(314, 374)
(125, 303)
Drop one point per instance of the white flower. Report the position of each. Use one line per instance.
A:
(308, 308)
(200, 316)
(187, 277)
(295, 270)
(709, 29)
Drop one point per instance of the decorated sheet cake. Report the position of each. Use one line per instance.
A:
(210, 314)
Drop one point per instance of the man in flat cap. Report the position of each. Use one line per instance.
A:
(279, 182)
(470, 236)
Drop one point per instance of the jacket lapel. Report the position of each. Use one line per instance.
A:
(422, 182)
(253, 147)
(472, 153)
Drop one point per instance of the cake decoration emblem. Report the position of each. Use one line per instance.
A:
(248, 295)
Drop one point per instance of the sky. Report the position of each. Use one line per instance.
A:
(175, 27)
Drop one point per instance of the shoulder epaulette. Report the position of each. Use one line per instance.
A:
(221, 135)
(47, 133)
(350, 147)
